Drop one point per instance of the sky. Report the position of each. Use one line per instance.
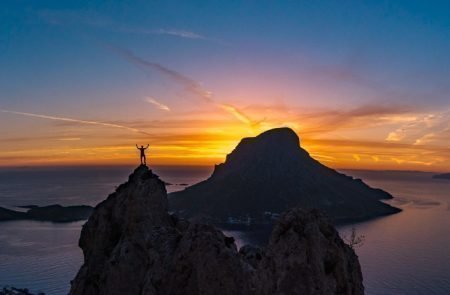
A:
(365, 84)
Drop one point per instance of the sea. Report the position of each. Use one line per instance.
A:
(405, 253)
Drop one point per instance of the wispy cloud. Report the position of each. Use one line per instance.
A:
(172, 32)
(423, 129)
(190, 85)
(156, 103)
(69, 139)
(141, 31)
(70, 17)
(238, 114)
(72, 120)
(203, 136)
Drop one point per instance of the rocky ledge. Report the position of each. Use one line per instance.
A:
(132, 245)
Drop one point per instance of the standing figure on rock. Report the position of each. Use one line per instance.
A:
(143, 158)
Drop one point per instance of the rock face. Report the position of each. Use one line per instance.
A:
(132, 245)
(271, 173)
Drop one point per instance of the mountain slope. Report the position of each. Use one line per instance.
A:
(271, 172)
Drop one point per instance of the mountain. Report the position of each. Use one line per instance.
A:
(271, 173)
(442, 176)
(132, 245)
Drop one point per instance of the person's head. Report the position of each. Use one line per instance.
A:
(142, 146)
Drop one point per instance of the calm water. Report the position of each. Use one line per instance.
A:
(407, 253)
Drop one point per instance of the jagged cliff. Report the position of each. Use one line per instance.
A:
(272, 173)
(132, 245)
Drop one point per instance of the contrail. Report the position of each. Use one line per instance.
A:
(73, 120)
(156, 103)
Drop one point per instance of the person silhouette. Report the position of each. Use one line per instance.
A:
(143, 158)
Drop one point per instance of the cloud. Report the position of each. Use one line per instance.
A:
(70, 17)
(321, 121)
(171, 32)
(423, 129)
(190, 85)
(156, 103)
(194, 137)
(69, 139)
(236, 113)
(72, 120)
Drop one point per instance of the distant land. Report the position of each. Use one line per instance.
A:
(442, 176)
(270, 173)
(53, 213)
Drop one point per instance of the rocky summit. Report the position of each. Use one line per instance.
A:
(270, 173)
(132, 245)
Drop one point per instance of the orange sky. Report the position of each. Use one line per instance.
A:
(369, 137)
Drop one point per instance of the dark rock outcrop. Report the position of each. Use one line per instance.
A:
(272, 173)
(17, 291)
(53, 213)
(442, 176)
(132, 245)
(8, 214)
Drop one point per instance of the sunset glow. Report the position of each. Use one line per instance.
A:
(101, 82)
(337, 139)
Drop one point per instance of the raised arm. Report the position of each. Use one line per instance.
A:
(137, 146)
(147, 146)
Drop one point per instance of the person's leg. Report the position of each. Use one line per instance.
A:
(145, 160)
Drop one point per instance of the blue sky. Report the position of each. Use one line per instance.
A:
(62, 58)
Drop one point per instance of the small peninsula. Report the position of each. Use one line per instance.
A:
(442, 176)
(52, 213)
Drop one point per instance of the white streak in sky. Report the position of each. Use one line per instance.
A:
(181, 33)
(156, 103)
(73, 120)
(58, 17)
(189, 84)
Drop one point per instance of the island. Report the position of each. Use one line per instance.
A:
(442, 176)
(271, 173)
(52, 213)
